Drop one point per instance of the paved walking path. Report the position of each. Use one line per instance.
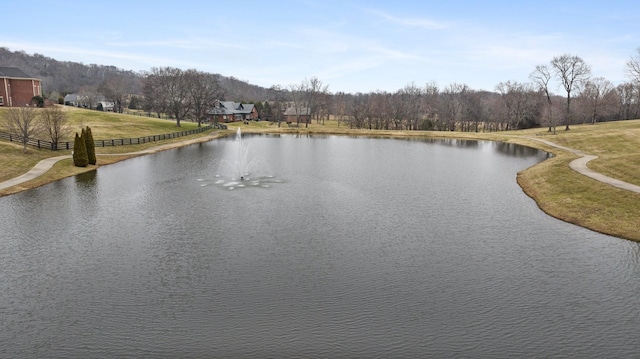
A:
(580, 165)
(43, 166)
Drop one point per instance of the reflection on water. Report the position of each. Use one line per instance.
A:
(369, 248)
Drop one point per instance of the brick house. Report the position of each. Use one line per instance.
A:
(229, 111)
(17, 88)
(297, 114)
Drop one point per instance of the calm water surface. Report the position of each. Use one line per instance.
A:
(349, 247)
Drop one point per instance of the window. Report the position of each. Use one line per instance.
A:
(1, 101)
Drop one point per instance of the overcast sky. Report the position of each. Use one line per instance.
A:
(352, 46)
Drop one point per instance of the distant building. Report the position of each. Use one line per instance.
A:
(229, 111)
(105, 106)
(73, 99)
(297, 114)
(17, 88)
(99, 103)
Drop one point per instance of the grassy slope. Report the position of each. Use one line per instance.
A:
(558, 191)
(577, 199)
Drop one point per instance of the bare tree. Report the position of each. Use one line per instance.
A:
(298, 105)
(430, 105)
(520, 104)
(339, 107)
(177, 94)
(571, 70)
(627, 95)
(55, 124)
(166, 90)
(452, 105)
(541, 77)
(154, 100)
(412, 97)
(598, 98)
(306, 97)
(315, 91)
(633, 67)
(203, 90)
(116, 88)
(358, 110)
(23, 122)
(277, 97)
(88, 96)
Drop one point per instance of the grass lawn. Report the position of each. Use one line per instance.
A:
(108, 125)
(558, 190)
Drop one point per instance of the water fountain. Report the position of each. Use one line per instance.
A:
(241, 166)
(239, 169)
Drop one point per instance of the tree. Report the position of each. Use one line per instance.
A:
(203, 90)
(154, 100)
(115, 88)
(91, 146)
(633, 67)
(628, 100)
(299, 105)
(519, 103)
(541, 78)
(598, 98)
(89, 96)
(22, 121)
(80, 157)
(55, 124)
(358, 110)
(451, 106)
(571, 70)
(306, 97)
(277, 97)
(134, 103)
(166, 91)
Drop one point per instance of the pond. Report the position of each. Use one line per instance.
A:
(329, 247)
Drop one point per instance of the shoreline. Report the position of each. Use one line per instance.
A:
(12, 186)
(577, 165)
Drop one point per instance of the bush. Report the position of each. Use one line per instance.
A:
(91, 146)
(80, 157)
(38, 101)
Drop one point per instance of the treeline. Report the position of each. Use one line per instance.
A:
(189, 94)
(60, 78)
(513, 105)
(454, 107)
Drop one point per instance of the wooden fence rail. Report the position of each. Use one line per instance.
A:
(106, 143)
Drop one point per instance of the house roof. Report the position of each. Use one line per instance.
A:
(71, 97)
(232, 108)
(292, 111)
(14, 72)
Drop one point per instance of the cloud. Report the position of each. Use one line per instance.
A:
(423, 23)
(185, 44)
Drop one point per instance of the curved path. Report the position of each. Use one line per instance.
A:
(580, 165)
(43, 166)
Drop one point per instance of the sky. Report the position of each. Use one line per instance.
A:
(351, 46)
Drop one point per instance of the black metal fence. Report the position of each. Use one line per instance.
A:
(106, 143)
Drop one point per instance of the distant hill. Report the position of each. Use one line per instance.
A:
(66, 77)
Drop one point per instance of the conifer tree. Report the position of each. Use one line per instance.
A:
(80, 158)
(91, 146)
